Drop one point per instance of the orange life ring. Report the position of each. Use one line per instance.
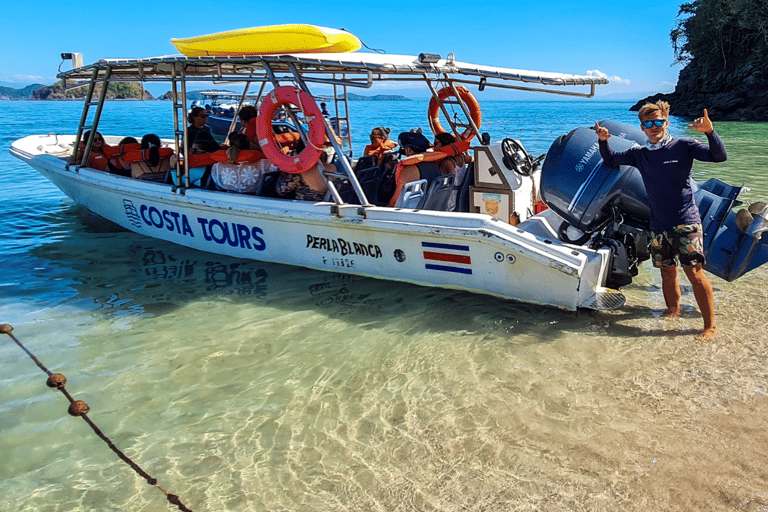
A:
(433, 112)
(268, 141)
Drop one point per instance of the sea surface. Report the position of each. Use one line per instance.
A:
(248, 386)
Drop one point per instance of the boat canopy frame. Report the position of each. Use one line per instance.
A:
(358, 70)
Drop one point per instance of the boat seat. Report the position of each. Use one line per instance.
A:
(411, 194)
(438, 194)
(369, 180)
(268, 183)
(346, 192)
(365, 162)
(462, 198)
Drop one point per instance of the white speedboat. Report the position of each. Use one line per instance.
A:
(575, 254)
(222, 106)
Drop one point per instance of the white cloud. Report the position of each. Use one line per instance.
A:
(613, 79)
(24, 80)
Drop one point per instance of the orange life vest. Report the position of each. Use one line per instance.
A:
(379, 148)
(98, 161)
(204, 159)
(142, 155)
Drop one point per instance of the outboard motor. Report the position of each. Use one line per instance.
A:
(581, 189)
(612, 202)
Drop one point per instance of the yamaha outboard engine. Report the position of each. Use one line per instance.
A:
(609, 205)
(580, 188)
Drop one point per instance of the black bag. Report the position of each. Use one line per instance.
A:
(388, 184)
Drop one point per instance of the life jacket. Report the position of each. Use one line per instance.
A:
(98, 161)
(204, 159)
(140, 167)
(421, 158)
(460, 146)
(379, 148)
(142, 155)
(117, 153)
(250, 130)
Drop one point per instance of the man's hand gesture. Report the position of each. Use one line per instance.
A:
(602, 132)
(702, 124)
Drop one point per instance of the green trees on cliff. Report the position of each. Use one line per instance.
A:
(719, 35)
(115, 91)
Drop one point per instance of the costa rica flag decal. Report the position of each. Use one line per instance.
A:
(447, 257)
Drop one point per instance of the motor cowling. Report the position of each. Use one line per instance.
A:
(583, 190)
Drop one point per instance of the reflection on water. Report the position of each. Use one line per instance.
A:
(252, 386)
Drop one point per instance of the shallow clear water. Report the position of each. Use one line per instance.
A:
(250, 386)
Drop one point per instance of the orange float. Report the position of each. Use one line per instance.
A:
(433, 111)
(268, 141)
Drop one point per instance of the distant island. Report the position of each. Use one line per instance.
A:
(9, 93)
(191, 95)
(724, 45)
(377, 97)
(115, 91)
(133, 91)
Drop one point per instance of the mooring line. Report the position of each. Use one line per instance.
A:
(80, 408)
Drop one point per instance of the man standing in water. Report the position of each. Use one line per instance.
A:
(665, 165)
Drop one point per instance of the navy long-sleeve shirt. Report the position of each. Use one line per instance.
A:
(666, 173)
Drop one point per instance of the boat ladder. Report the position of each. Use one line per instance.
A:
(180, 110)
(342, 122)
(89, 102)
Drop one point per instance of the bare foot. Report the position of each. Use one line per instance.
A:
(707, 334)
(671, 313)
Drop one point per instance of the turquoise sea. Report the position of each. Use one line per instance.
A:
(247, 386)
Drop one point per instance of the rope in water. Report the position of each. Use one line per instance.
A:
(80, 408)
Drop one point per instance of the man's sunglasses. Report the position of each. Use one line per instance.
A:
(656, 122)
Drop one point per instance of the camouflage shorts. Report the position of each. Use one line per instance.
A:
(680, 245)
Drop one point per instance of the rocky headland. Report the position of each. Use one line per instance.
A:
(724, 45)
(740, 96)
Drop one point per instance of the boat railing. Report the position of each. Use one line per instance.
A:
(338, 70)
(298, 79)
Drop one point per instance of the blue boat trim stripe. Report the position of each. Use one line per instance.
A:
(445, 246)
(448, 269)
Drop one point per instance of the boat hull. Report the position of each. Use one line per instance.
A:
(472, 252)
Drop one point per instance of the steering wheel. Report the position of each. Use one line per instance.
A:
(511, 149)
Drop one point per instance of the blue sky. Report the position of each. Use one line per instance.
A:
(626, 40)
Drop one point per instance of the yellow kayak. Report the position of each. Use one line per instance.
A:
(271, 40)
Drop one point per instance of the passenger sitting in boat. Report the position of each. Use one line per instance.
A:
(97, 158)
(308, 185)
(204, 143)
(248, 115)
(153, 163)
(456, 165)
(380, 143)
(197, 119)
(115, 163)
(243, 169)
(237, 143)
(418, 164)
